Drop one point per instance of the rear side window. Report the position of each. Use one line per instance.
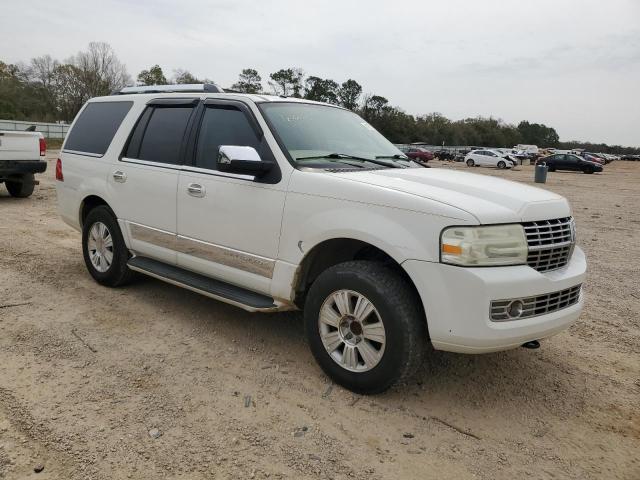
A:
(159, 134)
(96, 126)
(223, 126)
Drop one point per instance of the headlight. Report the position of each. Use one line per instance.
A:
(484, 246)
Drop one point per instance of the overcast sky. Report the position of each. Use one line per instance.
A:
(571, 64)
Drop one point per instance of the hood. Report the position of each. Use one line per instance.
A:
(488, 199)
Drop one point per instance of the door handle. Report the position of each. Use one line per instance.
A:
(119, 176)
(196, 190)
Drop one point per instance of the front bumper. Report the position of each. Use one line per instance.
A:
(19, 167)
(457, 303)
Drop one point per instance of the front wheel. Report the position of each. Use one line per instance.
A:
(470, 163)
(365, 326)
(501, 164)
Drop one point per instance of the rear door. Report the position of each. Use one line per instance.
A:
(229, 224)
(143, 183)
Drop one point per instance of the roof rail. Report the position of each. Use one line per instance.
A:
(179, 88)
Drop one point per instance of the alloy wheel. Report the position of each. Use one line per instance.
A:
(352, 331)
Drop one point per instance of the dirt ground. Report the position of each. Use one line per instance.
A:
(152, 381)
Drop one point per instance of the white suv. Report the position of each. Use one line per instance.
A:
(272, 203)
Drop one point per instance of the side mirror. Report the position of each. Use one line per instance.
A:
(244, 160)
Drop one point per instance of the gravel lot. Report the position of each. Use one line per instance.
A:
(152, 381)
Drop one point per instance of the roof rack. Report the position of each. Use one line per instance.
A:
(179, 88)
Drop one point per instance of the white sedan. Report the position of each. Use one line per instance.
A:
(491, 158)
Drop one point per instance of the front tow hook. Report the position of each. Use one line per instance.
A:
(533, 344)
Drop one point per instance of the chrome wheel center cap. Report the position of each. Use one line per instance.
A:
(350, 330)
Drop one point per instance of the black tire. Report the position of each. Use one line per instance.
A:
(22, 189)
(552, 169)
(588, 170)
(470, 163)
(399, 310)
(117, 273)
(502, 164)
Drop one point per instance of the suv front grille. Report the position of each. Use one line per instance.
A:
(534, 306)
(550, 243)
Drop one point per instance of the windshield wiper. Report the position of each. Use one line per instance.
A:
(396, 156)
(345, 156)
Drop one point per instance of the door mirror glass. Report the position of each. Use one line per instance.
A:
(241, 159)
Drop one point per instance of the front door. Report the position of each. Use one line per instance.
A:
(143, 183)
(229, 224)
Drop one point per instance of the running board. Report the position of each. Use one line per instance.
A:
(225, 292)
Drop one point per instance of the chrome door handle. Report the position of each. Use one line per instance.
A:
(196, 190)
(119, 176)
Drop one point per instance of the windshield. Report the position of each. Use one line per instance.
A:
(321, 136)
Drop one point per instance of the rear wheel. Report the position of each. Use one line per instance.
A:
(470, 163)
(105, 253)
(365, 326)
(23, 188)
(501, 164)
(552, 169)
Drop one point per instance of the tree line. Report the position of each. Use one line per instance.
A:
(45, 89)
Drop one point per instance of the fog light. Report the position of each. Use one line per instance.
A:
(514, 310)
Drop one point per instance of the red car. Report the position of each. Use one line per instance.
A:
(418, 154)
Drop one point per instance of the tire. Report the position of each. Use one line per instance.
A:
(470, 163)
(22, 189)
(552, 169)
(588, 170)
(116, 272)
(501, 164)
(396, 309)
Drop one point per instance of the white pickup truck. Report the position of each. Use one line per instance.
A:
(21, 157)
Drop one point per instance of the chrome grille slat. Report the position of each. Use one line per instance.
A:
(537, 305)
(550, 243)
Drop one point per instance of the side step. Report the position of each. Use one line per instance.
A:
(217, 289)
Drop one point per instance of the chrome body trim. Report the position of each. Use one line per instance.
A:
(229, 257)
(156, 237)
(86, 154)
(226, 256)
(171, 166)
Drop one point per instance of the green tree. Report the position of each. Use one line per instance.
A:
(249, 81)
(321, 90)
(349, 94)
(153, 76)
(287, 82)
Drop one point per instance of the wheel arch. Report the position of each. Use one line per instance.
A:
(87, 204)
(333, 251)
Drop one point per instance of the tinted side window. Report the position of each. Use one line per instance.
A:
(96, 126)
(163, 134)
(222, 126)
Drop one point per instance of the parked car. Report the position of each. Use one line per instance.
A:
(419, 154)
(21, 157)
(492, 158)
(444, 155)
(569, 161)
(271, 204)
(594, 157)
(632, 158)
